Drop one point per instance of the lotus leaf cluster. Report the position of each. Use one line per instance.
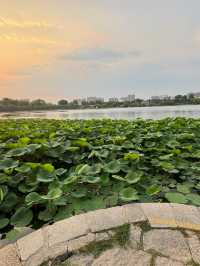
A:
(51, 169)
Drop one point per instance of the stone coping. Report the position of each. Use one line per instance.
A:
(73, 233)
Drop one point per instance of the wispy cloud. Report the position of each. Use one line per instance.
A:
(25, 24)
(98, 54)
(23, 39)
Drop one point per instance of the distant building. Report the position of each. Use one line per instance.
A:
(80, 101)
(95, 100)
(113, 100)
(161, 97)
(129, 98)
(194, 94)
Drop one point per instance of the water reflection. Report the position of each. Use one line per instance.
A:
(115, 113)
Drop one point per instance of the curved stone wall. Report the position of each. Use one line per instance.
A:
(76, 232)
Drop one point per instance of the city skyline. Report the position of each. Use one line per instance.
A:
(99, 48)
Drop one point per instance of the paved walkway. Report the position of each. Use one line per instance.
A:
(144, 247)
(131, 235)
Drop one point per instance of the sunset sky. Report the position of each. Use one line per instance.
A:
(56, 49)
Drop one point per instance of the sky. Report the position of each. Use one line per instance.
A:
(55, 49)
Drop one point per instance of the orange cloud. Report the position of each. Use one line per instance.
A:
(23, 24)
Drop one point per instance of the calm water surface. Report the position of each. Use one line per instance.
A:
(114, 113)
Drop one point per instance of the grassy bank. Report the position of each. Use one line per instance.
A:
(50, 169)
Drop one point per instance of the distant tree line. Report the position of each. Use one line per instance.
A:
(10, 105)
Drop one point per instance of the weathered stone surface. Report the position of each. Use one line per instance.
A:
(102, 236)
(167, 242)
(161, 261)
(194, 244)
(80, 260)
(135, 235)
(106, 219)
(36, 259)
(134, 213)
(67, 229)
(186, 216)
(4, 242)
(123, 257)
(159, 214)
(80, 242)
(57, 250)
(30, 244)
(111, 233)
(9, 256)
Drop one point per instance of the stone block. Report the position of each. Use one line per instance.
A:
(161, 261)
(30, 244)
(106, 219)
(68, 229)
(125, 257)
(134, 213)
(159, 214)
(186, 216)
(9, 256)
(76, 244)
(135, 236)
(169, 243)
(102, 236)
(194, 244)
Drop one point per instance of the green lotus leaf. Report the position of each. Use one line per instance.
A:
(33, 198)
(23, 169)
(166, 157)
(53, 194)
(128, 194)
(60, 171)
(8, 164)
(4, 178)
(33, 147)
(3, 192)
(9, 202)
(22, 217)
(45, 176)
(62, 201)
(112, 200)
(17, 152)
(24, 140)
(175, 197)
(183, 188)
(112, 167)
(24, 188)
(118, 177)
(17, 233)
(132, 156)
(81, 142)
(166, 166)
(71, 179)
(48, 167)
(83, 169)
(89, 170)
(63, 213)
(13, 234)
(194, 198)
(105, 179)
(153, 190)
(72, 149)
(46, 215)
(133, 177)
(3, 222)
(79, 192)
(92, 179)
(94, 204)
(198, 186)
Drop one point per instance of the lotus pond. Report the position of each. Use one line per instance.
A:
(51, 170)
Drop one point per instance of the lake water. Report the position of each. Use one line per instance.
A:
(114, 113)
